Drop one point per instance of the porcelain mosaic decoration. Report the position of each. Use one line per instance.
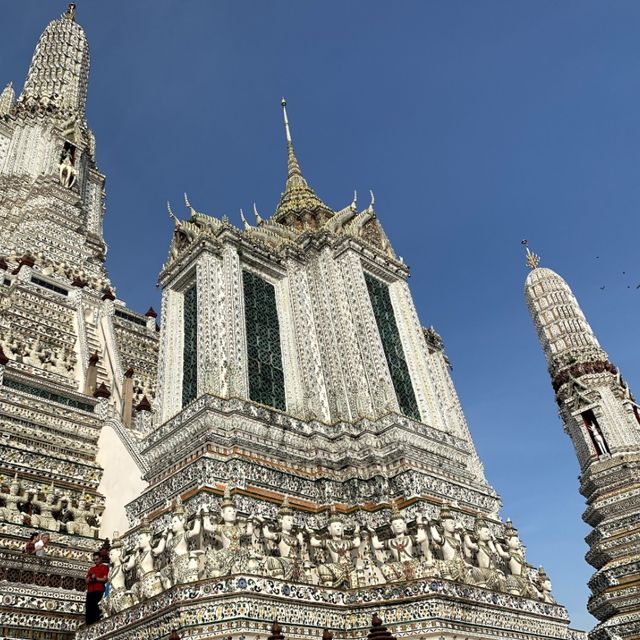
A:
(287, 443)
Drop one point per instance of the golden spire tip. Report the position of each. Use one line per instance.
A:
(533, 260)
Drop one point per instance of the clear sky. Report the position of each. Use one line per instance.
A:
(477, 123)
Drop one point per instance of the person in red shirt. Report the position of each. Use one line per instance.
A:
(96, 578)
(30, 546)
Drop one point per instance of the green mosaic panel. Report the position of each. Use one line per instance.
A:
(390, 336)
(264, 355)
(47, 395)
(190, 350)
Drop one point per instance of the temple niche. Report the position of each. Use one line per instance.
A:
(599, 413)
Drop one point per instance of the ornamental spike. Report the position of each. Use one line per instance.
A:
(286, 120)
(247, 226)
(172, 215)
(258, 217)
(533, 260)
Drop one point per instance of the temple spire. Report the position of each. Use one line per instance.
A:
(7, 98)
(564, 332)
(59, 72)
(298, 196)
(293, 166)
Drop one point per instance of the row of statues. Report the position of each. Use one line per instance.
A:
(38, 103)
(336, 558)
(53, 513)
(45, 355)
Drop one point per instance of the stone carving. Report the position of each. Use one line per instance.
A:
(83, 515)
(226, 553)
(328, 557)
(599, 440)
(544, 586)
(67, 173)
(487, 572)
(45, 519)
(448, 535)
(11, 512)
(119, 596)
(182, 564)
(403, 549)
(338, 547)
(287, 564)
(147, 582)
(516, 582)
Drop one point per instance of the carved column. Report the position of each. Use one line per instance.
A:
(376, 382)
(235, 353)
(170, 358)
(208, 310)
(293, 381)
(307, 347)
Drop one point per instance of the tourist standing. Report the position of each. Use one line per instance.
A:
(30, 545)
(40, 545)
(96, 578)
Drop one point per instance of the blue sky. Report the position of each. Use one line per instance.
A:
(477, 123)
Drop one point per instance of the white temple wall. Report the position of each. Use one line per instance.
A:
(121, 479)
(30, 151)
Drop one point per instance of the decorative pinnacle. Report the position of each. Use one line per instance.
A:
(533, 260)
(247, 226)
(293, 166)
(259, 219)
(70, 13)
(172, 215)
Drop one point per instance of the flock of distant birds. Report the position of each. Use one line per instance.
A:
(524, 243)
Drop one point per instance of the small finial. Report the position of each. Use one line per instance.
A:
(70, 13)
(172, 215)
(247, 226)
(286, 120)
(189, 205)
(372, 202)
(533, 260)
(258, 217)
(354, 203)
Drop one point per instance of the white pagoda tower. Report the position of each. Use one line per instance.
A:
(602, 419)
(74, 361)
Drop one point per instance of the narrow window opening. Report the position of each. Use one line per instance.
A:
(595, 432)
(190, 349)
(392, 346)
(264, 353)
